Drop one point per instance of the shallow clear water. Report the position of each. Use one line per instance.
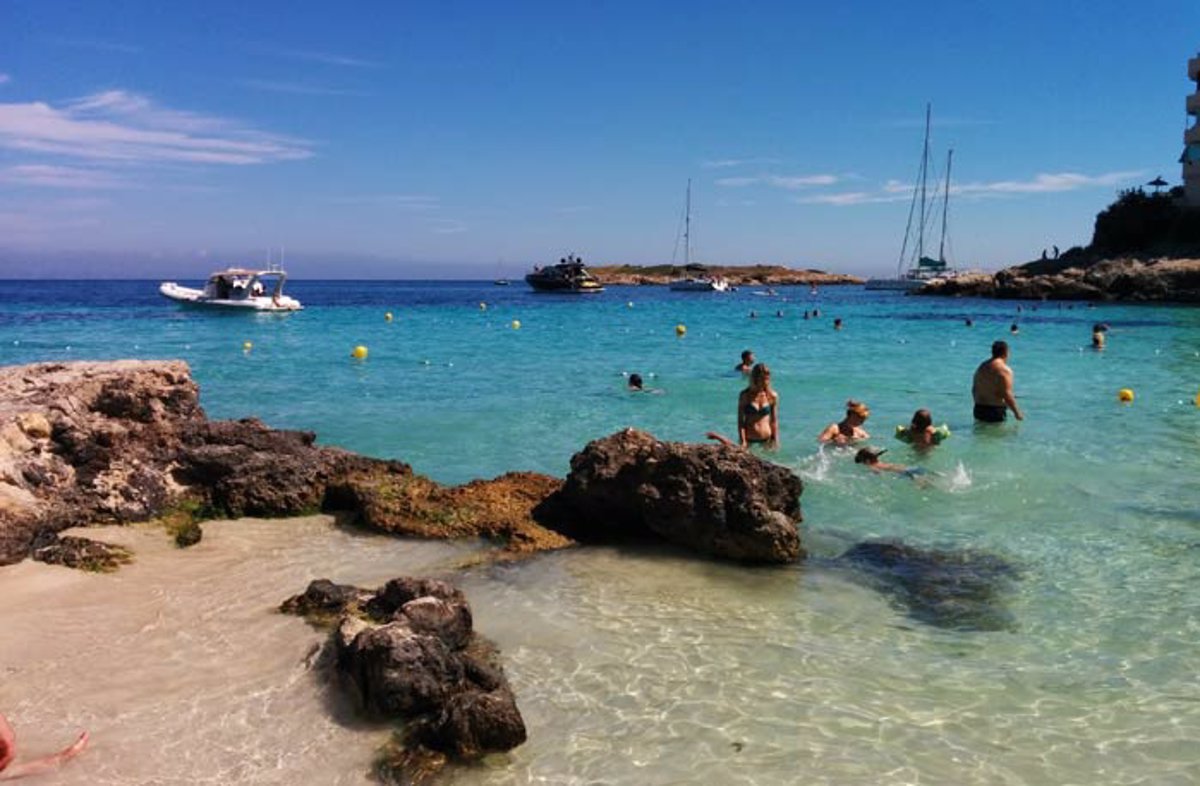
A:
(659, 668)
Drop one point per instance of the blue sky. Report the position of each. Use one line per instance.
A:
(456, 139)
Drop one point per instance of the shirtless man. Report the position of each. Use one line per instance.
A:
(992, 387)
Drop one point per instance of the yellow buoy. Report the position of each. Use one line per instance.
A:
(1196, 400)
(359, 352)
(516, 324)
(247, 346)
(1125, 395)
(681, 330)
(387, 317)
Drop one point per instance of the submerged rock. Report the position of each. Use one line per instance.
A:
(408, 653)
(75, 552)
(960, 589)
(714, 499)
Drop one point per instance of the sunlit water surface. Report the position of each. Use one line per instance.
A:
(655, 667)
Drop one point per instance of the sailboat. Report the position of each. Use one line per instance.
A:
(915, 268)
(696, 278)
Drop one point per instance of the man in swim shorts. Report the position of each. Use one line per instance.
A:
(992, 387)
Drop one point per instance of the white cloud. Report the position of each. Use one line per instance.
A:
(1047, 183)
(119, 126)
(97, 44)
(786, 182)
(53, 176)
(446, 226)
(412, 202)
(328, 58)
(851, 198)
(897, 191)
(726, 163)
(297, 88)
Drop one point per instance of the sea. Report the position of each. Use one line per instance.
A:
(1076, 661)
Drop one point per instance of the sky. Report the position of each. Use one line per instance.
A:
(447, 139)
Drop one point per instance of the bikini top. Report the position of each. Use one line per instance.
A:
(757, 412)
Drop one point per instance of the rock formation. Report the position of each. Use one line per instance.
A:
(408, 653)
(1176, 280)
(718, 500)
(84, 443)
(92, 443)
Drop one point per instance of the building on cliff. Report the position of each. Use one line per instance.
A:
(1191, 139)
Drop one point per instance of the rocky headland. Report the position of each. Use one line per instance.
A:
(1144, 248)
(1127, 279)
(745, 275)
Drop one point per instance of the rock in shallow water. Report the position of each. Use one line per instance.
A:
(409, 654)
(962, 590)
(714, 499)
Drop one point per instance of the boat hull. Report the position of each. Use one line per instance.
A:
(188, 296)
(894, 284)
(698, 285)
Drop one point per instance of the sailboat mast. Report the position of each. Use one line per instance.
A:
(687, 227)
(924, 178)
(945, 206)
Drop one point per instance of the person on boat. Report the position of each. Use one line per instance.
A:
(747, 362)
(850, 428)
(757, 413)
(870, 457)
(992, 387)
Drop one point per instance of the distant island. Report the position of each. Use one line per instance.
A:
(1145, 247)
(746, 275)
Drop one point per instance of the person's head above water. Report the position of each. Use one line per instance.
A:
(635, 381)
(760, 377)
(921, 420)
(747, 357)
(869, 455)
(857, 411)
(999, 349)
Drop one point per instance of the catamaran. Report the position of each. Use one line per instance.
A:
(915, 269)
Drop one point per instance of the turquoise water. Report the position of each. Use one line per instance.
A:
(811, 671)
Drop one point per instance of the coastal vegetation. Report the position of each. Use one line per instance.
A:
(1144, 247)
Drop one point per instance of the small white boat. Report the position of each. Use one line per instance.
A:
(237, 288)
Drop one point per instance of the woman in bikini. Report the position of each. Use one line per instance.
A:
(850, 429)
(757, 412)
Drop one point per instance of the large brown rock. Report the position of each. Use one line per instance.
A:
(113, 442)
(715, 499)
(409, 653)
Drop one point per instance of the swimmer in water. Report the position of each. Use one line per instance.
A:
(635, 383)
(757, 413)
(870, 457)
(747, 362)
(837, 324)
(850, 428)
(1014, 329)
(921, 433)
(1098, 335)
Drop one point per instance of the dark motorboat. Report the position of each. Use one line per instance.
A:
(568, 276)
